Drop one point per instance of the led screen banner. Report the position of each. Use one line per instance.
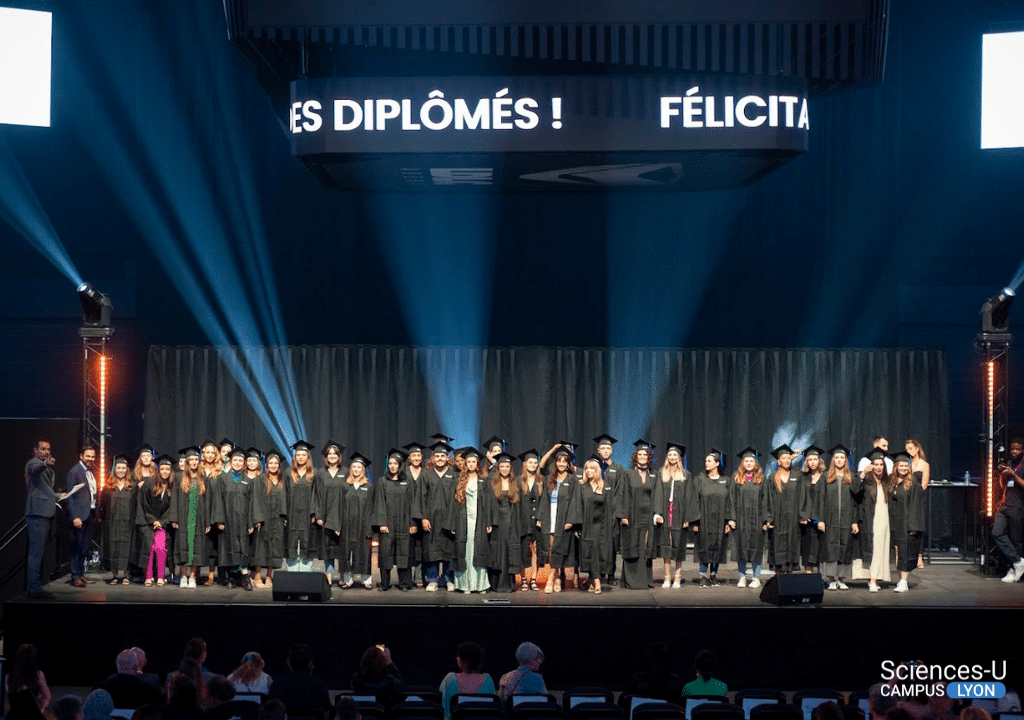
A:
(25, 40)
(591, 114)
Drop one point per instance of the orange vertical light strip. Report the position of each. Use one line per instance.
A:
(103, 422)
(990, 459)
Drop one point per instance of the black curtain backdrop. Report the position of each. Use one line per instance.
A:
(374, 397)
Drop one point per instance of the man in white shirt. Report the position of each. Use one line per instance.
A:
(882, 444)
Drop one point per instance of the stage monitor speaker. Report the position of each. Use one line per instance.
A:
(800, 589)
(301, 587)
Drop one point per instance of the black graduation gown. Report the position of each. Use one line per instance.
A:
(811, 509)
(784, 513)
(839, 512)
(670, 537)
(118, 513)
(329, 492)
(715, 509)
(635, 504)
(457, 527)
(596, 558)
(749, 508)
(270, 541)
(214, 509)
(531, 500)
(436, 494)
(200, 538)
(150, 508)
(392, 506)
(906, 516)
(356, 528)
(568, 510)
(416, 538)
(304, 536)
(235, 512)
(865, 518)
(506, 539)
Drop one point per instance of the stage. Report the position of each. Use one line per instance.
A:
(951, 614)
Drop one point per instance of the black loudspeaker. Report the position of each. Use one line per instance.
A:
(800, 589)
(301, 587)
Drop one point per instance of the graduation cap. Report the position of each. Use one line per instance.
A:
(605, 439)
(571, 445)
(145, 447)
(441, 447)
(678, 447)
(190, 451)
(527, 454)
(333, 444)
(813, 450)
(503, 457)
(121, 458)
(876, 454)
(747, 452)
(413, 447)
(165, 460)
(470, 451)
(237, 452)
(900, 456)
(359, 458)
(718, 455)
(840, 448)
(493, 440)
(596, 458)
(209, 442)
(438, 437)
(782, 450)
(395, 452)
(226, 441)
(303, 445)
(461, 452)
(642, 444)
(565, 450)
(274, 452)
(254, 452)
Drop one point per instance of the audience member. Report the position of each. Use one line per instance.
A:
(222, 704)
(470, 679)
(525, 679)
(25, 676)
(655, 678)
(68, 707)
(190, 669)
(182, 698)
(98, 705)
(196, 650)
(705, 684)
(299, 689)
(146, 712)
(974, 713)
(378, 676)
(249, 676)
(128, 687)
(273, 710)
(345, 708)
(878, 702)
(827, 711)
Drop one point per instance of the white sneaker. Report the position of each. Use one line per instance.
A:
(742, 582)
(901, 586)
(1018, 570)
(843, 586)
(755, 583)
(368, 583)
(184, 582)
(667, 584)
(192, 583)
(676, 584)
(833, 585)
(873, 587)
(450, 587)
(1010, 577)
(432, 587)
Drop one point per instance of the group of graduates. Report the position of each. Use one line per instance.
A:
(468, 521)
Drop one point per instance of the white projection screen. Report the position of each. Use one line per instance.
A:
(25, 67)
(1002, 91)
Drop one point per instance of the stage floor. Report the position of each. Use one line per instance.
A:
(935, 586)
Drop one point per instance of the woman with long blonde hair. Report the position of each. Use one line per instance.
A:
(919, 464)
(596, 557)
(190, 516)
(117, 510)
(675, 506)
(531, 490)
(749, 504)
(152, 513)
(270, 498)
(837, 519)
(304, 534)
(906, 517)
(470, 521)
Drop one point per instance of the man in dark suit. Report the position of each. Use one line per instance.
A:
(299, 690)
(40, 506)
(81, 508)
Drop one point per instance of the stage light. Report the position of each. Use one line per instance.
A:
(96, 306)
(989, 480)
(995, 313)
(103, 414)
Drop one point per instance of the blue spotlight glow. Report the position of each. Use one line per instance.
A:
(191, 196)
(1018, 279)
(21, 209)
(659, 269)
(442, 249)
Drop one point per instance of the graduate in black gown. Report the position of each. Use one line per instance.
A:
(636, 515)
(413, 469)
(599, 521)
(873, 519)
(561, 514)
(305, 536)
(531, 492)
(270, 501)
(117, 512)
(748, 508)
(906, 517)
(612, 473)
(839, 516)
(508, 519)
(234, 518)
(470, 523)
(812, 486)
(393, 499)
(675, 507)
(212, 467)
(436, 493)
(784, 506)
(712, 530)
(357, 525)
(190, 518)
(330, 486)
(152, 520)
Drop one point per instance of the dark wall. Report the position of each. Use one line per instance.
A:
(890, 231)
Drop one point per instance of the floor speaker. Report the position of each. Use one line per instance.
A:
(799, 589)
(301, 587)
